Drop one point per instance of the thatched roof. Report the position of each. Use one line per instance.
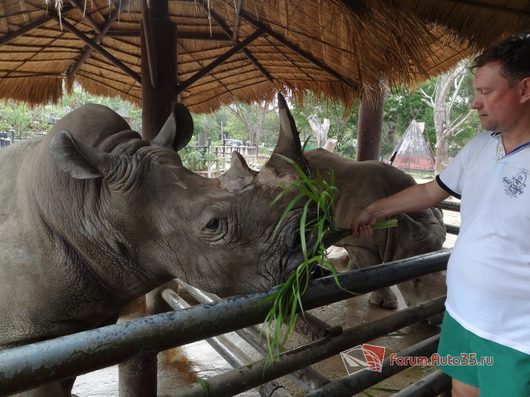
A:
(343, 49)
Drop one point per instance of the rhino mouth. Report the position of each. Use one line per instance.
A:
(295, 255)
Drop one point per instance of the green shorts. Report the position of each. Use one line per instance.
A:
(496, 369)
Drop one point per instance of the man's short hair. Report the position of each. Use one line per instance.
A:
(513, 54)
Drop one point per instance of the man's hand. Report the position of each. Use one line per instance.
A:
(362, 225)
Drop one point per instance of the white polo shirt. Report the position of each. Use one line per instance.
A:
(488, 274)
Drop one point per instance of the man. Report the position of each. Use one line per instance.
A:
(488, 276)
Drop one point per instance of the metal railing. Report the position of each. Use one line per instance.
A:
(450, 206)
(7, 139)
(29, 366)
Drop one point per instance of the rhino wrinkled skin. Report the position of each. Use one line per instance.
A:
(361, 183)
(93, 216)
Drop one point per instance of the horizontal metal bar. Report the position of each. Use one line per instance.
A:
(31, 365)
(221, 344)
(451, 229)
(430, 385)
(245, 378)
(359, 381)
(449, 205)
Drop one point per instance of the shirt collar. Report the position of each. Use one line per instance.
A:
(500, 146)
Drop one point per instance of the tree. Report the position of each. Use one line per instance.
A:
(342, 122)
(401, 107)
(253, 118)
(449, 99)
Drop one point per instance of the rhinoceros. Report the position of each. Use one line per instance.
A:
(93, 216)
(361, 183)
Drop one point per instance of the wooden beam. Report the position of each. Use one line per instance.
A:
(149, 44)
(181, 35)
(25, 75)
(208, 68)
(3, 20)
(495, 7)
(157, 99)
(295, 48)
(236, 22)
(24, 10)
(87, 50)
(219, 21)
(119, 64)
(88, 18)
(30, 26)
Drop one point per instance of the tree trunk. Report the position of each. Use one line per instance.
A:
(391, 134)
(441, 155)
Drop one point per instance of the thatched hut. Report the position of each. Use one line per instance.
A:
(236, 50)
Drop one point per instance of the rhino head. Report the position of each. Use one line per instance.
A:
(157, 220)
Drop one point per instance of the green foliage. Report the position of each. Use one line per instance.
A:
(192, 159)
(317, 197)
(210, 125)
(401, 107)
(195, 159)
(204, 385)
(13, 117)
(343, 122)
(29, 121)
(253, 123)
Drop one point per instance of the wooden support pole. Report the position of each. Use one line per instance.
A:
(158, 97)
(138, 376)
(369, 133)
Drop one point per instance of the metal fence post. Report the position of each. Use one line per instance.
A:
(138, 376)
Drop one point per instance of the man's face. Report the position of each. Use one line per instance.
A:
(498, 105)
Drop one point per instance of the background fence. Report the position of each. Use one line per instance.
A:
(7, 138)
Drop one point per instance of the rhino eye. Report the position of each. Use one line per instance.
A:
(212, 224)
(214, 228)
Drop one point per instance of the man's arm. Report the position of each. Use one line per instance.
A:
(411, 199)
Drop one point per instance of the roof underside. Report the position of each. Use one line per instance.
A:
(342, 49)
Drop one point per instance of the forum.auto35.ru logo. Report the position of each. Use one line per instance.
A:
(365, 356)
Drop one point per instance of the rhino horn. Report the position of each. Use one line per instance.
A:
(238, 175)
(177, 130)
(79, 160)
(288, 145)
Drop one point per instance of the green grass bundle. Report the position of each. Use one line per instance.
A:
(316, 197)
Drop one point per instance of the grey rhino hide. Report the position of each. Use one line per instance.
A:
(361, 183)
(93, 216)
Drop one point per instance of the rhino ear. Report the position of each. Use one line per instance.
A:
(238, 175)
(288, 144)
(177, 130)
(75, 158)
